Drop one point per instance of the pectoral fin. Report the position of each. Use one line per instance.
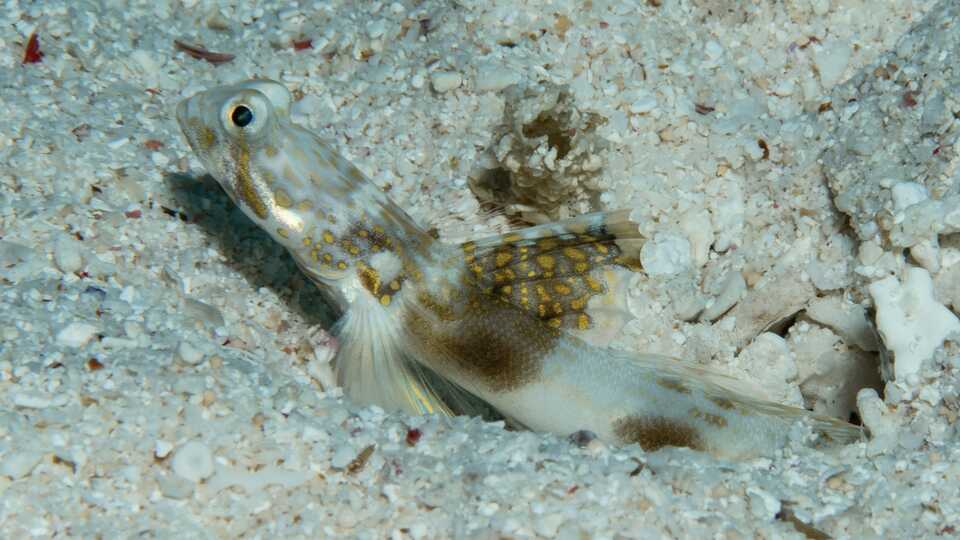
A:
(374, 366)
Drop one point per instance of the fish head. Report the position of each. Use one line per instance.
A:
(233, 130)
(293, 184)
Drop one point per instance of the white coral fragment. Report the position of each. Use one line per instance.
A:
(910, 320)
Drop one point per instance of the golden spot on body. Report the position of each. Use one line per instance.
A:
(531, 274)
(555, 322)
(395, 285)
(712, 419)
(289, 175)
(476, 269)
(542, 293)
(562, 289)
(546, 261)
(593, 283)
(575, 254)
(581, 267)
(557, 308)
(502, 258)
(547, 244)
(207, 138)
(602, 248)
(378, 229)
(501, 276)
(722, 402)
(342, 265)
(305, 205)
(270, 150)
(328, 237)
(283, 232)
(282, 198)
(542, 310)
(578, 304)
(469, 247)
(655, 432)
(512, 237)
(673, 384)
(369, 278)
(307, 240)
(315, 255)
(385, 300)
(363, 233)
(327, 258)
(245, 186)
(583, 321)
(506, 289)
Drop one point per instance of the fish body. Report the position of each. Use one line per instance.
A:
(511, 326)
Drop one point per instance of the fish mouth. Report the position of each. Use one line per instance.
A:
(183, 116)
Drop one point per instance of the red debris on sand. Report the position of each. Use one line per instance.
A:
(200, 53)
(32, 53)
(413, 436)
(909, 99)
(302, 44)
(153, 144)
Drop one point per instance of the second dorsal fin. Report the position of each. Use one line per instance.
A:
(571, 274)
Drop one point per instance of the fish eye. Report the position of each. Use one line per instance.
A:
(241, 116)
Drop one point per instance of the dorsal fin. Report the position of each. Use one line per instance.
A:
(571, 274)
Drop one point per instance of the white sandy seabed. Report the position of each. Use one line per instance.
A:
(794, 165)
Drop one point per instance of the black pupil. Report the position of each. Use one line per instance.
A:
(242, 116)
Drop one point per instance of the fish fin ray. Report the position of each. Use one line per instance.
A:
(571, 274)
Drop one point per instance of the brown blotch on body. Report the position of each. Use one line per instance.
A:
(496, 343)
(245, 186)
(208, 138)
(722, 402)
(712, 419)
(673, 384)
(655, 432)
